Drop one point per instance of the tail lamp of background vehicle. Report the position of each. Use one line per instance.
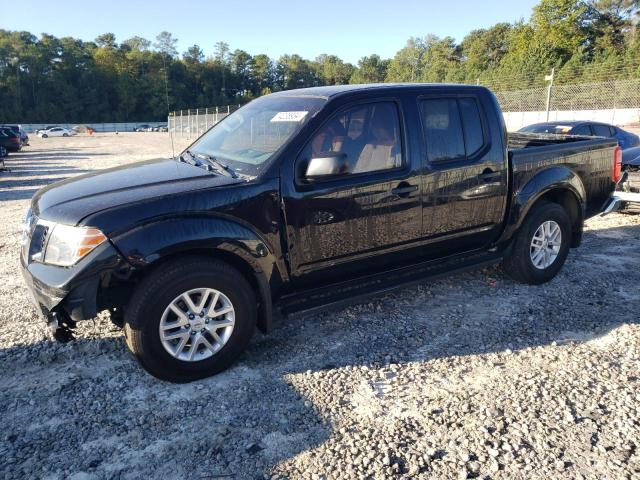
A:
(617, 164)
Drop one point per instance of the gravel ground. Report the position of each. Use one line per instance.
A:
(471, 376)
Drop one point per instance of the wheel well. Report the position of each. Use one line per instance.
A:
(263, 296)
(568, 200)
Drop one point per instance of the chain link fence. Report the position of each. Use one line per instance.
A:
(194, 122)
(615, 101)
(581, 96)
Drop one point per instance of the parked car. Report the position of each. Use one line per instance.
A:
(304, 199)
(160, 128)
(631, 165)
(48, 127)
(24, 138)
(10, 140)
(142, 128)
(56, 132)
(586, 128)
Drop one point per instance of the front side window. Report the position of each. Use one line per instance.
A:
(582, 130)
(248, 138)
(368, 135)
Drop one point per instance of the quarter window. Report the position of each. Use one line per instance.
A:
(369, 136)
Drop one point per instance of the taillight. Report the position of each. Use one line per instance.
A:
(15, 139)
(617, 164)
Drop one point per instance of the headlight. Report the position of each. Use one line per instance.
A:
(66, 244)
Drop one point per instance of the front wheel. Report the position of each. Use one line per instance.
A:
(45, 136)
(541, 246)
(190, 319)
(65, 134)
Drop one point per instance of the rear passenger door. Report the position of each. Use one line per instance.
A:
(465, 176)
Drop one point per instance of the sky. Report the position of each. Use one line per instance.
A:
(349, 29)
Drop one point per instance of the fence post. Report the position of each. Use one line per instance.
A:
(181, 126)
(216, 120)
(206, 119)
(228, 109)
(549, 78)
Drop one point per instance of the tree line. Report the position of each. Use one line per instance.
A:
(48, 79)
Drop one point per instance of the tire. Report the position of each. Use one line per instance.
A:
(3, 152)
(149, 306)
(519, 264)
(45, 135)
(65, 134)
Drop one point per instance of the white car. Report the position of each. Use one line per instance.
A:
(56, 132)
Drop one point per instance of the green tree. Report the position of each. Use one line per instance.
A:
(371, 69)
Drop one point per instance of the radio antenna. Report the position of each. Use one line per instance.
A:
(166, 91)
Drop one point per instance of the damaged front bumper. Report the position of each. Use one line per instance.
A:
(65, 295)
(626, 196)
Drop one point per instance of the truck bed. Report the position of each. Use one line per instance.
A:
(518, 140)
(589, 158)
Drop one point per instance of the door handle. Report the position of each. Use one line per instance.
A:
(489, 175)
(404, 190)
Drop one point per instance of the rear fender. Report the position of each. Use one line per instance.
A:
(555, 179)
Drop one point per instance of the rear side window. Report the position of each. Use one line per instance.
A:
(452, 128)
(601, 130)
(442, 129)
(472, 126)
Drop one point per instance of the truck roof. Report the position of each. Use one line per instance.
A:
(335, 90)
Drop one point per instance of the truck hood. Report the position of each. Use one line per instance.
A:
(72, 200)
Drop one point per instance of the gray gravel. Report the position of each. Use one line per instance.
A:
(470, 376)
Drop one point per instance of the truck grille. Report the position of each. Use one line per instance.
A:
(34, 238)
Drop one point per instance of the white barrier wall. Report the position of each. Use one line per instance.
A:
(620, 117)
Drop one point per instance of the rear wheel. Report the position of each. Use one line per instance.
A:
(190, 319)
(65, 134)
(541, 245)
(45, 135)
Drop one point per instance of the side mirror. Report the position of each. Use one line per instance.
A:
(331, 165)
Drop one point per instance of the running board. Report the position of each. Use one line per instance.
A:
(344, 293)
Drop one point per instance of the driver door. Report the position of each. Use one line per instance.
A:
(354, 219)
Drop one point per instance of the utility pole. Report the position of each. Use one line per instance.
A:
(549, 78)
(18, 93)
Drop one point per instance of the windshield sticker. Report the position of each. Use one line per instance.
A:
(289, 116)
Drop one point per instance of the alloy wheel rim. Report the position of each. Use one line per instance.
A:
(197, 324)
(545, 245)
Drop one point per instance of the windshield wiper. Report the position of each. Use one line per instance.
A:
(214, 163)
(193, 157)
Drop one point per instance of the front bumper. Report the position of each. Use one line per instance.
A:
(74, 291)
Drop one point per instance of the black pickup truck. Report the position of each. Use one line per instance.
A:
(301, 200)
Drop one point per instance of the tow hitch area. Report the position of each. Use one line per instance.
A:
(61, 326)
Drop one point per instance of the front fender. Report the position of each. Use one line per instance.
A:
(555, 179)
(146, 245)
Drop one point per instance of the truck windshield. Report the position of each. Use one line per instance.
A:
(249, 137)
